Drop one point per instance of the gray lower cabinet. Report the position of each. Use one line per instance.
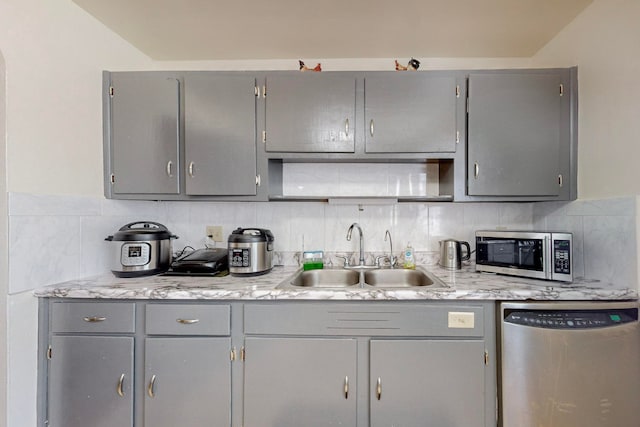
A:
(427, 382)
(519, 133)
(310, 112)
(188, 382)
(90, 381)
(288, 380)
(411, 112)
(119, 364)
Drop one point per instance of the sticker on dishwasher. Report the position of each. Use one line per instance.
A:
(461, 319)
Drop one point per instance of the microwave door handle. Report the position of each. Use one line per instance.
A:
(547, 252)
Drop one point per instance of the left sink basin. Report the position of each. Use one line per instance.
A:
(326, 278)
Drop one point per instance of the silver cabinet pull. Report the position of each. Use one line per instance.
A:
(151, 386)
(191, 165)
(560, 180)
(94, 319)
(346, 387)
(187, 321)
(379, 388)
(346, 127)
(371, 128)
(120, 388)
(476, 170)
(169, 169)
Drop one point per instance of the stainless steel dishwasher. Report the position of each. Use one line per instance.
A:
(574, 364)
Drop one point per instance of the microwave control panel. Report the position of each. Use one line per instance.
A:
(562, 256)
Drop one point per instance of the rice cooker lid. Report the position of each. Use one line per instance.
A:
(250, 235)
(142, 231)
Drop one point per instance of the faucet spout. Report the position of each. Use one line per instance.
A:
(357, 226)
(392, 258)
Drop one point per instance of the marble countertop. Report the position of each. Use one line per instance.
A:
(465, 284)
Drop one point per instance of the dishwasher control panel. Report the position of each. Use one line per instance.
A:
(552, 319)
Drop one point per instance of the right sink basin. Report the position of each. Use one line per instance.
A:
(400, 278)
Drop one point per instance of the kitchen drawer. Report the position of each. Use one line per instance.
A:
(375, 319)
(111, 317)
(188, 319)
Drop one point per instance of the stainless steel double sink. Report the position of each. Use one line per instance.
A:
(355, 277)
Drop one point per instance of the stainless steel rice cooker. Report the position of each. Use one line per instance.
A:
(250, 251)
(141, 248)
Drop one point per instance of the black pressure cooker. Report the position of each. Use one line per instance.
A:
(141, 248)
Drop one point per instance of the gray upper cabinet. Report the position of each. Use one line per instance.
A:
(144, 129)
(310, 112)
(411, 112)
(90, 381)
(220, 134)
(517, 134)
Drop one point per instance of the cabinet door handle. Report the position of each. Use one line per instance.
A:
(346, 127)
(379, 388)
(94, 319)
(560, 181)
(151, 386)
(191, 165)
(476, 170)
(169, 169)
(371, 128)
(346, 387)
(187, 321)
(120, 388)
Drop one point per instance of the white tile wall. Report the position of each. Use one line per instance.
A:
(57, 238)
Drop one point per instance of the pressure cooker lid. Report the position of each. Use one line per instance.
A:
(250, 235)
(142, 230)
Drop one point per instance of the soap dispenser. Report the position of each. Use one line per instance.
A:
(409, 260)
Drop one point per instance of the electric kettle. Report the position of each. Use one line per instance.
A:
(451, 253)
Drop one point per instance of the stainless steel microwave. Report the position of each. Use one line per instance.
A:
(539, 255)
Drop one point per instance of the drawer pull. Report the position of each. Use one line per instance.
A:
(94, 319)
(120, 388)
(379, 388)
(346, 127)
(371, 128)
(151, 386)
(187, 321)
(346, 387)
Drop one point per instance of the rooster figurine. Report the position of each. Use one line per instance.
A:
(413, 65)
(305, 68)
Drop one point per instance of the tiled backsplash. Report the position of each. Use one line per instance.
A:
(57, 238)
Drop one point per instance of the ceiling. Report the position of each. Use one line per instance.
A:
(283, 29)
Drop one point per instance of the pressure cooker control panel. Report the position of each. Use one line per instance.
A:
(240, 257)
(552, 319)
(135, 254)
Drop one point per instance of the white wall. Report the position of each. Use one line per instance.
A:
(604, 42)
(3, 244)
(55, 53)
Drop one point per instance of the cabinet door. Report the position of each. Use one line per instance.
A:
(145, 133)
(310, 112)
(187, 382)
(220, 134)
(90, 381)
(410, 113)
(427, 382)
(514, 134)
(291, 382)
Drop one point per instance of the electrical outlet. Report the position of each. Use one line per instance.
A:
(214, 232)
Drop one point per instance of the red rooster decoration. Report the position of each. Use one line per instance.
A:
(305, 68)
